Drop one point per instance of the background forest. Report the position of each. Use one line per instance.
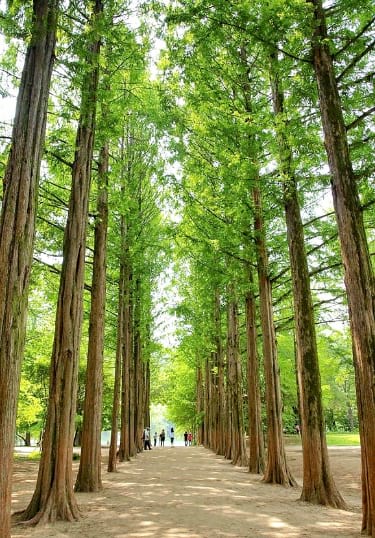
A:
(200, 131)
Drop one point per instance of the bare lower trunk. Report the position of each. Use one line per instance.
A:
(53, 497)
(206, 402)
(318, 484)
(277, 470)
(89, 473)
(359, 277)
(256, 443)
(112, 457)
(138, 371)
(237, 439)
(220, 377)
(200, 408)
(17, 225)
(147, 386)
(124, 450)
(127, 360)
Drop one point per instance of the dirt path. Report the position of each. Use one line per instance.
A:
(189, 492)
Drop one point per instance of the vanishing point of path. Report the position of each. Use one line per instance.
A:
(188, 492)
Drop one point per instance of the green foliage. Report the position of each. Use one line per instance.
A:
(30, 411)
(185, 151)
(179, 391)
(338, 382)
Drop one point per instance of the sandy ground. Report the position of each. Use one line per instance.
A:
(190, 492)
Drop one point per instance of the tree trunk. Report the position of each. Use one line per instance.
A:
(124, 450)
(17, 226)
(213, 403)
(138, 371)
(237, 438)
(127, 361)
(200, 406)
(112, 457)
(318, 484)
(359, 277)
(277, 471)
(89, 473)
(147, 387)
(132, 392)
(206, 404)
(276, 466)
(220, 377)
(126, 353)
(256, 442)
(53, 498)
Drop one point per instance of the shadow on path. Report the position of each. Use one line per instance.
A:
(188, 492)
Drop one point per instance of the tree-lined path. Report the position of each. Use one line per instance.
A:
(187, 239)
(185, 492)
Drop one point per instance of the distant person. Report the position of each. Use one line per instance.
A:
(162, 437)
(190, 438)
(155, 438)
(146, 439)
(172, 436)
(298, 429)
(186, 438)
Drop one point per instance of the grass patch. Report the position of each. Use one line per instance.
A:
(28, 456)
(35, 456)
(343, 439)
(333, 439)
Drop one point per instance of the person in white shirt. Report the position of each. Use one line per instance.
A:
(146, 439)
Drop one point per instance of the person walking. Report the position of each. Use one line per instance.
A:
(190, 438)
(162, 437)
(146, 439)
(186, 438)
(172, 436)
(155, 438)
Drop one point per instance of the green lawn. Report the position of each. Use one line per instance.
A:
(343, 439)
(333, 439)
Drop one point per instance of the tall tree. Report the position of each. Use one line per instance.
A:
(237, 451)
(358, 271)
(318, 484)
(112, 457)
(219, 364)
(89, 473)
(53, 497)
(17, 226)
(256, 442)
(277, 470)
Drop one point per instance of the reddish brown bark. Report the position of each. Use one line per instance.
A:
(112, 457)
(220, 377)
(358, 272)
(277, 470)
(125, 433)
(206, 404)
(54, 498)
(256, 442)
(89, 473)
(318, 483)
(237, 452)
(200, 406)
(17, 227)
(138, 371)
